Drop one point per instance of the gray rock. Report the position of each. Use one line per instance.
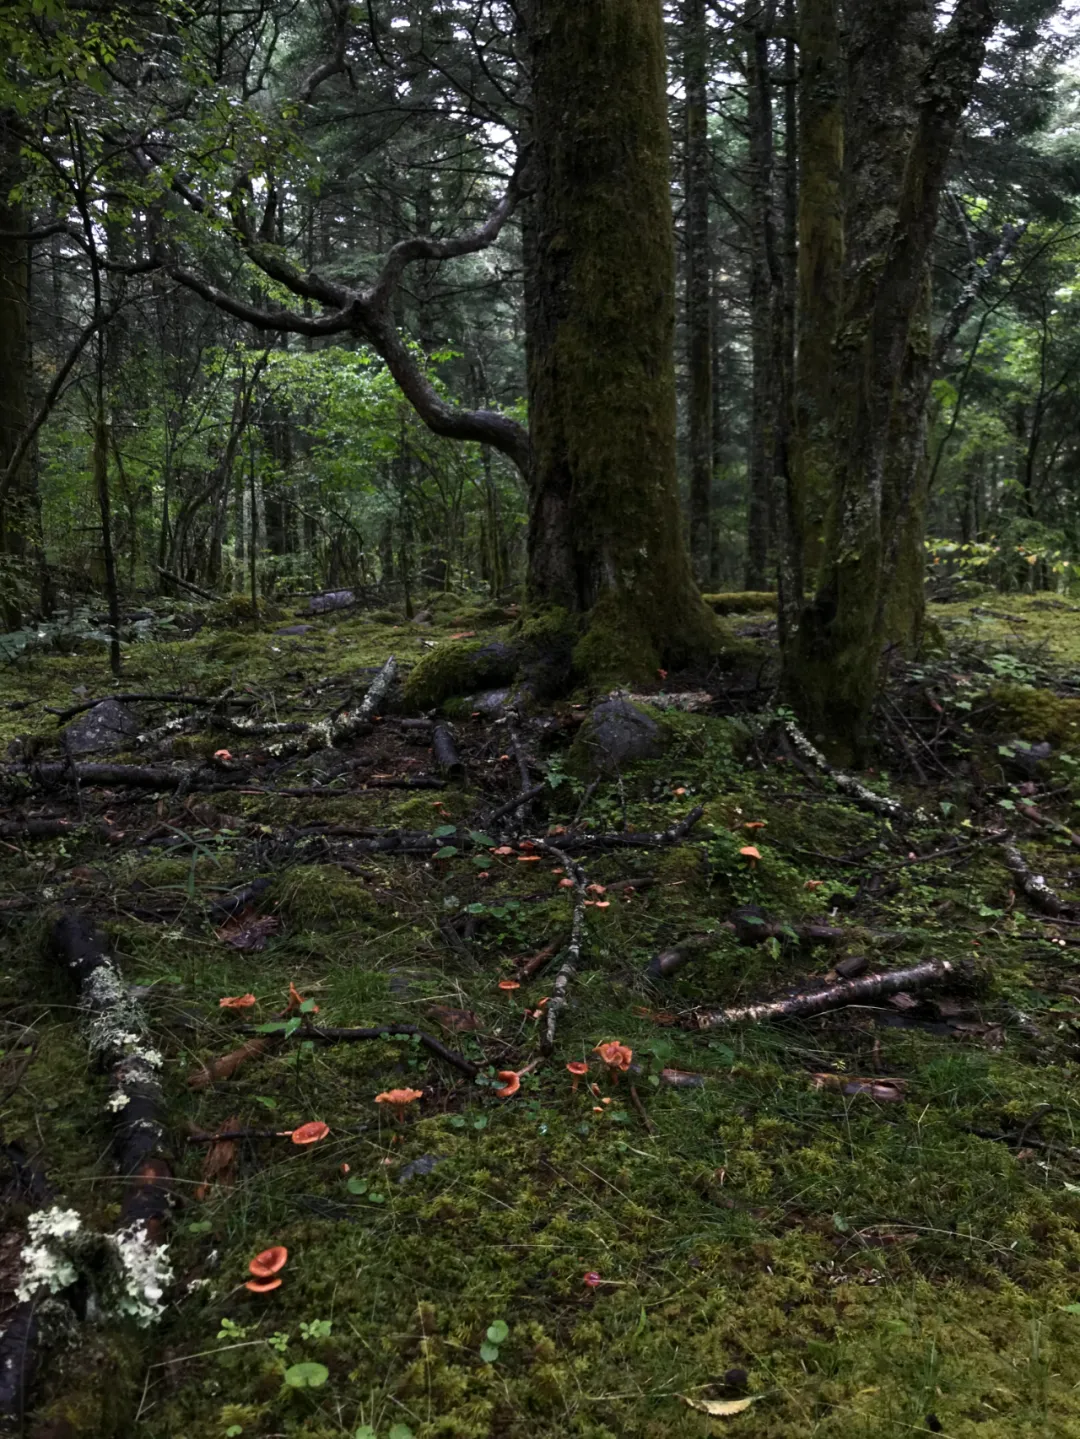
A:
(423, 617)
(295, 630)
(490, 703)
(332, 600)
(617, 733)
(104, 728)
(424, 1165)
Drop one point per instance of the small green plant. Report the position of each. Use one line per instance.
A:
(233, 1332)
(497, 1334)
(278, 1342)
(308, 1375)
(316, 1329)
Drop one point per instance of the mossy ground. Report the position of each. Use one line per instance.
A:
(876, 1269)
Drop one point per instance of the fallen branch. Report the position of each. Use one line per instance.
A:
(1034, 886)
(525, 797)
(669, 961)
(846, 783)
(62, 716)
(324, 734)
(186, 584)
(429, 1042)
(835, 996)
(568, 968)
(112, 776)
(54, 828)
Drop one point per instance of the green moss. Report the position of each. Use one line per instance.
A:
(314, 896)
(459, 667)
(742, 602)
(235, 610)
(1036, 714)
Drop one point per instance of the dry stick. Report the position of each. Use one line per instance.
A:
(342, 726)
(533, 792)
(635, 1100)
(835, 996)
(428, 1041)
(114, 776)
(568, 968)
(62, 716)
(1034, 886)
(54, 828)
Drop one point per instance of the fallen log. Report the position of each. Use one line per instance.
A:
(847, 784)
(834, 996)
(447, 757)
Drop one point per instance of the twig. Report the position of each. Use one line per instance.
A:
(519, 799)
(635, 1100)
(835, 996)
(429, 1042)
(186, 584)
(846, 783)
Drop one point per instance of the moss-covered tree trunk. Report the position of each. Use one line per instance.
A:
(895, 161)
(698, 287)
(605, 535)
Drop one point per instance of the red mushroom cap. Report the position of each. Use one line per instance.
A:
(311, 1132)
(269, 1262)
(262, 1286)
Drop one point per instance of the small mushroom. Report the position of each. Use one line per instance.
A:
(262, 1286)
(576, 1068)
(616, 1056)
(269, 1262)
(513, 1083)
(237, 1001)
(752, 853)
(399, 1100)
(509, 985)
(311, 1132)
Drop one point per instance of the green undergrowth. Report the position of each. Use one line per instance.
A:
(876, 1268)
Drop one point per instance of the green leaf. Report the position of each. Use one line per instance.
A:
(306, 1376)
(478, 838)
(376, 1198)
(307, 1007)
(365, 1432)
(444, 830)
(273, 1026)
(457, 1121)
(480, 1123)
(356, 1185)
(1069, 1308)
(498, 1332)
(447, 852)
(489, 1353)
(400, 1431)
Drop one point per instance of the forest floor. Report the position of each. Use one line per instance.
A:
(865, 1223)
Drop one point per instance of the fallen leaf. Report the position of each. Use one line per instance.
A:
(682, 1078)
(226, 1066)
(464, 635)
(720, 1408)
(219, 1166)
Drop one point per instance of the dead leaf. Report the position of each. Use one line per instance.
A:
(886, 1091)
(227, 1065)
(219, 1166)
(720, 1408)
(464, 635)
(682, 1078)
(244, 932)
(458, 1021)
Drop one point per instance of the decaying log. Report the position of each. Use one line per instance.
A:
(834, 996)
(668, 961)
(118, 1035)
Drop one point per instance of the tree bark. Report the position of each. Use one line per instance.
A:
(605, 536)
(698, 287)
(18, 508)
(895, 161)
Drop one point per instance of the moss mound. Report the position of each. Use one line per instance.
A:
(1036, 714)
(742, 602)
(459, 667)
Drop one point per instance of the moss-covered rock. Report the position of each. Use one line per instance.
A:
(459, 667)
(1036, 714)
(617, 733)
(321, 896)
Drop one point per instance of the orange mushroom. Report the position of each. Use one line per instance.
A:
(754, 824)
(576, 1067)
(222, 754)
(262, 1286)
(237, 1001)
(296, 999)
(513, 1083)
(596, 888)
(566, 884)
(616, 1056)
(508, 985)
(269, 1262)
(311, 1132)
(399, 1100)
(528, 859)
(752, 853)
(503, 849)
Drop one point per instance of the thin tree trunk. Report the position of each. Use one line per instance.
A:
(698, 287)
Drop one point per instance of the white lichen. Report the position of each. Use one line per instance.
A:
(145, 1272)
(47, 1263)
(118, 1101)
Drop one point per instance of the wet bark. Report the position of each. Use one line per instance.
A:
(605, 536)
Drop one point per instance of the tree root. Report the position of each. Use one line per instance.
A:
(835, 996)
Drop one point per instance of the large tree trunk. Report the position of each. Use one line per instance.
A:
(895, 163)
(605, 537)
(698, 287)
